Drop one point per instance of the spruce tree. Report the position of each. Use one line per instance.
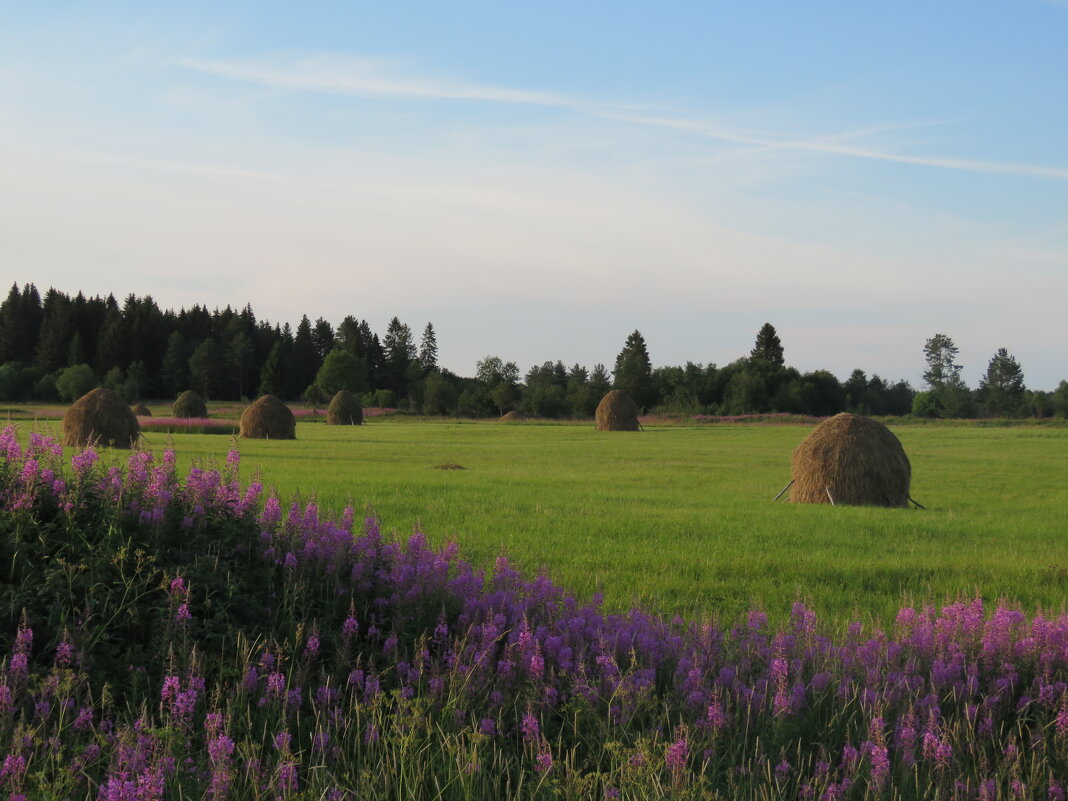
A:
(634, 371)
(768, 347)
(428, 350)
(1002, 389)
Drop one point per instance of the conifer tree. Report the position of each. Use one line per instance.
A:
(634, 371)
(428, 350)
(768, 347)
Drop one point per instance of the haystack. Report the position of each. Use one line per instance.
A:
(100, 417)
(617, 412)
(344, 410)
(268, 418)
(852, 460)
(190, 405)
(140, 410)
(513, 417)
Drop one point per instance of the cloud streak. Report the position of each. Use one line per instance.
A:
(365, 77)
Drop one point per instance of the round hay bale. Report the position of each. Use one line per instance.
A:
(344, 410)
(268, 418)
(100, 417)
(513, 417)
(140, 410)
(190, 405)
(617, 412)
(852, 460)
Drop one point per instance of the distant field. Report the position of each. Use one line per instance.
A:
(679, 518)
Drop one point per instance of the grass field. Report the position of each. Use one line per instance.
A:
(679, 519)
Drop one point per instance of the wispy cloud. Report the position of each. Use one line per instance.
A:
(367, 77)
(363, 77)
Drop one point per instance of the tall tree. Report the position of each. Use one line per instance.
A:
(428, 350)
(306, 361)
(1001, 389)
(942, 368)
(57, 328)
(949, 394)
(273, 379)
(323, 337)
(768, 347)
(634, 371)
(400, 351)
(205, 368)
(175, 371)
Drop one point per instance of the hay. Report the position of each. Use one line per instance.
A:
(513, 417)
(268, 418)
(344, 410)
(140, 410)
(100, 417)
(617, 412)
(851, 460)
(190, 405)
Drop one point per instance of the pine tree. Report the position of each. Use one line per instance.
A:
(1002, 388)
(428, 350)
(768, 347)
(205, 368)
(306, 361)
(634, 371)
(272, 374)
(53, 345)
(175, 370)
(323, 337)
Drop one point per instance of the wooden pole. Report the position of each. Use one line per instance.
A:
(918, 504)
(783, 490)
(829, 497)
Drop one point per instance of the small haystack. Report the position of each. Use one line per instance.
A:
(268, 418)
(189, 406)
(100, 417)
(513, 417)
(140, 410)
(617, 412)
(851, 460)
(344, 410)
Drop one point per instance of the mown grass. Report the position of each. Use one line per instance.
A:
(679, 519)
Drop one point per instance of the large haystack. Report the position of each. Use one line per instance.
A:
(852, 460)
(140, 410)
(513, 417)
(268, 418)
(344, 410)
(100, 417)
(189, 406)
(617, 412)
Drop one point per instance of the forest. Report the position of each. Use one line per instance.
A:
(57, 347)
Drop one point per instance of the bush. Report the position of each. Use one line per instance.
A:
(73, 382)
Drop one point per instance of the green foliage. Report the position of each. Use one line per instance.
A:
(206, 368)
(439, 397)
(342, 370)
(768, 347)
(1001, 389)
(927, 404)
(634, 372)
(73, 382)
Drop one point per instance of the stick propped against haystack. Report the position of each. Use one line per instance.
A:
(851, 460)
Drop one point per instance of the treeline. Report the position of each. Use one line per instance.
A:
(59, 347)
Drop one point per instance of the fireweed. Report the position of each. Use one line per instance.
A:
(288, 656)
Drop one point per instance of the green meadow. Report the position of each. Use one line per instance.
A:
(680, 518)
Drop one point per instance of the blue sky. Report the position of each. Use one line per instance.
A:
(541, 179)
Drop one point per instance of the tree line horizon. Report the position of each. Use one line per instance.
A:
(58, 347)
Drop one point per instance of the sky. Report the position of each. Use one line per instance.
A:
(540, 179)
